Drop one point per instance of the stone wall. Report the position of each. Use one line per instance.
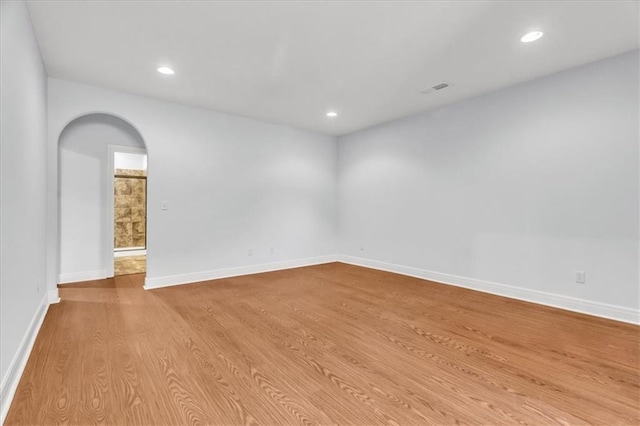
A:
(130, 191)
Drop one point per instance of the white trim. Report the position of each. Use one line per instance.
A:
(126, 253)
(12, 378)
(568, 303)
(109, 249)
(171, 280)
(74, 277)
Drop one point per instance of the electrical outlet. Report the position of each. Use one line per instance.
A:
(581, 277)
(250, 252)
(164, 205)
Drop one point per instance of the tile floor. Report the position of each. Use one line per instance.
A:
(130, 265)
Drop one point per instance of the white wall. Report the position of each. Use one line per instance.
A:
(22, 193)
(231, 183)
(520, 187)
(126, 160)
(83, 193)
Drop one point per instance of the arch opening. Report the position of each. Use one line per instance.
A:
(102, 198)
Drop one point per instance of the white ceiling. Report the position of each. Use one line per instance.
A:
(290, 62)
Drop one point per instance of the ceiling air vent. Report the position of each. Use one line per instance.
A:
(439, 86)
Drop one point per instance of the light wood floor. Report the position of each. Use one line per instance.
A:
(329, 344)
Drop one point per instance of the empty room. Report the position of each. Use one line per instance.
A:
(320, 212)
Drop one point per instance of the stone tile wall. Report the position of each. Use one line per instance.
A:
(130, 208)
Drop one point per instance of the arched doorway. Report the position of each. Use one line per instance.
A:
(86, 179)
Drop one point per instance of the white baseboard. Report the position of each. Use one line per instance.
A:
(74, 277)
(133, 252)
(603, 310)
(14, 373)
(171, 280)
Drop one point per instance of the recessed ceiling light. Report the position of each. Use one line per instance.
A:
(166, 70)
(532, 36)
(332, 114)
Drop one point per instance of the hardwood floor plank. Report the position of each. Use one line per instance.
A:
(328, 344)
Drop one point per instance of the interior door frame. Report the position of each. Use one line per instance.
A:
(110, 216)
